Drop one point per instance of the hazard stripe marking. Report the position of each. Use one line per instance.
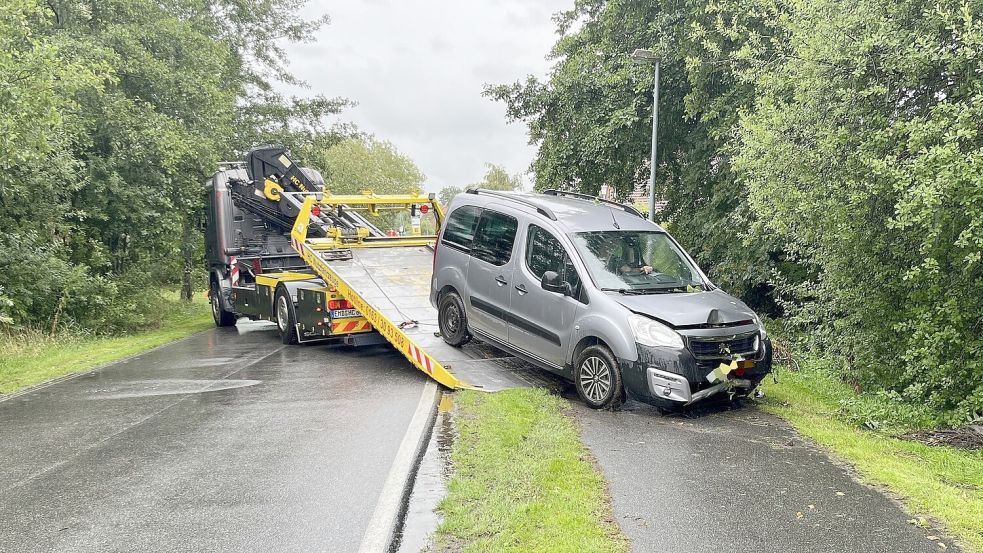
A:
(421, 358)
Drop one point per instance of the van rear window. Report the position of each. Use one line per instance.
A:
(460, 227)
(494, 238)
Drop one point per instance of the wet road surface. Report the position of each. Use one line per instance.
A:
(736, 480)
(224, 441)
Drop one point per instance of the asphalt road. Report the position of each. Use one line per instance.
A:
(224, 441)
(737, 480)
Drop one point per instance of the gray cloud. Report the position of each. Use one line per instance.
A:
(417, 70)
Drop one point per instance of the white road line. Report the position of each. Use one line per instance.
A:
(382, 525)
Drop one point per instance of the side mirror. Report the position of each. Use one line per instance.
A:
(551, 283)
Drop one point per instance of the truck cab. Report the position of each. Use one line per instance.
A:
(239, 244)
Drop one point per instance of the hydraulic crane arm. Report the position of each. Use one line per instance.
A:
(275, 191)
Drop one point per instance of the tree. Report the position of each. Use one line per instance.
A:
(356, 164)
(113, 113)
(447, 193)
(591, 121)
(498, 178)
(359, 164)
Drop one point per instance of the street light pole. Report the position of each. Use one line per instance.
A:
(649, 57)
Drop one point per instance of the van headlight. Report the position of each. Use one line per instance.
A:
(761, 326)
(653, 333)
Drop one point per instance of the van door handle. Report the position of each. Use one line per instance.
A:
(501, 280)
(521, 288)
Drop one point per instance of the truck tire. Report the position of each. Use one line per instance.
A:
(452, 320)
(285, 316)
(598, 379)
(219, 314)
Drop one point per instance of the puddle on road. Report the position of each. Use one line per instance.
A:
(430, 485)
(168, 387)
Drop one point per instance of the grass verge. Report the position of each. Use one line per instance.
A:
(943, 483)
(523, 481)
(33, 357)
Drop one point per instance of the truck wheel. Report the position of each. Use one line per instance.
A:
(219, 314)
(285, 316)
(597, 378)
(453, 320)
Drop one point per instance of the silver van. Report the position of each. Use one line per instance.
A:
(591, 290)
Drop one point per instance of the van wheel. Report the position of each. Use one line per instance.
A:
(598, 379)
(285, 316)
(453, 320)
(219, 314)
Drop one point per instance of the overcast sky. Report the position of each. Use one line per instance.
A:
(417, 68)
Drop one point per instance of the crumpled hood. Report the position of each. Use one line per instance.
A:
(681, 309)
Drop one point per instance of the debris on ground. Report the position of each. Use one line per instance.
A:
(963, 437)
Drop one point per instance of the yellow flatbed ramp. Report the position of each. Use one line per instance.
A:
(391, 287)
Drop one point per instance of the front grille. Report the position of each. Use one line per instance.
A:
(710, 351)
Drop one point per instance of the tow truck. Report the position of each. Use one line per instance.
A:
(281, 248)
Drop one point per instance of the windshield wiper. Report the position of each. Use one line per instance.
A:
(639, 291)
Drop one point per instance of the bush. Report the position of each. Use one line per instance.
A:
(863, 156)
(43, 291)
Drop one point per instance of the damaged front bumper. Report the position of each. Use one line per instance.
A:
(673, 387)
(673, 377)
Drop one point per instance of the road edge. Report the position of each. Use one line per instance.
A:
(390, 510)
(50, 382)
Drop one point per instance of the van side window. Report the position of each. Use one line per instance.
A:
(494, 238)
(459, 230)
(545, 253)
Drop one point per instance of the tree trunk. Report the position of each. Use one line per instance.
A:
(187, 253)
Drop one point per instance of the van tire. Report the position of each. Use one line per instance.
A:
(452, 319)
(219, 314)
(285, 316)
(598, 379)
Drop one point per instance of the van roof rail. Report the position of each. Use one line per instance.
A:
(515, 198)
(578, 195)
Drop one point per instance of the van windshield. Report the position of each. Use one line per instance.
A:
(634, 261)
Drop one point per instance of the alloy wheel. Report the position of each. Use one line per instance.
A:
(595, 378)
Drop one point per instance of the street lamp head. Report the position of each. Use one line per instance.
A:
(642, 55)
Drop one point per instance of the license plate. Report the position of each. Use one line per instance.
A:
(344, 313)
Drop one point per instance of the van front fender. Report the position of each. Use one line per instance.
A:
(615, 334)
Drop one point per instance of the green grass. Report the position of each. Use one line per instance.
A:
(942, 483)
(31, 357)
(523, 481)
